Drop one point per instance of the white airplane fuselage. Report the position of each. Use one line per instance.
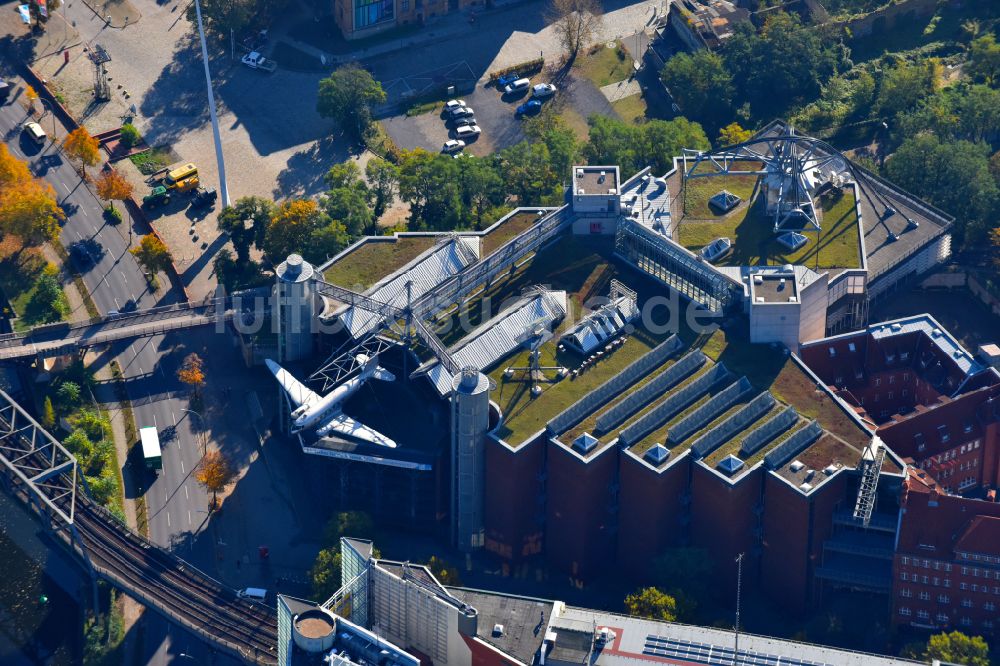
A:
(330, 405)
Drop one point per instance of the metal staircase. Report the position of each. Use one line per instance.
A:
(870, 466)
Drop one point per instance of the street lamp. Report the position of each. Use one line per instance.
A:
(201, 420)
(224, 190)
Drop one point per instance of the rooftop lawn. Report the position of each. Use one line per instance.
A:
(698, 191)
(754, 242)
(374, 259)
(511, 227)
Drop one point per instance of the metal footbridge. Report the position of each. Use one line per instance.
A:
(70, 337)
(38, 470)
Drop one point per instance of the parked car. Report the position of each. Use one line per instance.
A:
(461, 112)
(505, 80)
(204, 197)
(452, 146)
(531, 107)
(468, 120)
(543, 90)
(717, 250)
(517, 86)
(468, 131)
(35, 133)
(453, 104)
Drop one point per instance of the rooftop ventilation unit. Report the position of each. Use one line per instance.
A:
(579, 173)
(829, 470)
(936, 333)
(497, 630)
(911, 224)
(758, 279)
(891, 238)
(585, 443)
(730, 465)
(657, 454)
(889, 212)
(796, 466)
(805, 487)
(793, 299)
(897, 327)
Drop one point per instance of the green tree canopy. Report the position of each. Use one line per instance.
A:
(382, 177)
(702, 86)
(347, 96)
(984, 60)
(300, 226)
(654, 143)
(246, 222)
(429, 184)
(349, 207)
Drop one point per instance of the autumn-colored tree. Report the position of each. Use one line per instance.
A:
(79, 145)
(732, 134)
(112, 186)
(444, 572)
(652, 603)
(28, 207)
(152, 254)
(31, 96)
(48, 413)
(995, 242)
(192, 372)
(214, 472)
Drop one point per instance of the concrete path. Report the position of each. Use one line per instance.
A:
(621, 89)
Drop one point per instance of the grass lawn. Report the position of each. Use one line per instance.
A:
(373, 260)
(424, 107)
(632, 109)
(697, 192)
(604, 66)
(576, 122)
(754, 242)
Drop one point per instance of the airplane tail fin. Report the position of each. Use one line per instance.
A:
(371, 368)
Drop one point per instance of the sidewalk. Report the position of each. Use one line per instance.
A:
(116, 13)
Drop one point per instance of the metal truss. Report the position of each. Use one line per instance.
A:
(34, 457)
(343, 361)
(793, 158)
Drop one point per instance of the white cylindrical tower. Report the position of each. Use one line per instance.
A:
(295, 292)
(470, 419)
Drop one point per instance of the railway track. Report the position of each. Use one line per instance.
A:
(176, 589)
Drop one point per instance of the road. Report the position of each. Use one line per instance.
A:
(177, 505)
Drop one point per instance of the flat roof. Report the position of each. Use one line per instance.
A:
(597, 180)
(941, 338)
(651, 642)
(523, 619)
(774, 287)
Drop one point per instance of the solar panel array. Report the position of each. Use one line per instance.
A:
(656, 386)
(717, 404)
(791, 446)
(716, 655)
(668, 408)
(724, 431)
(768, 430)
(640, 367)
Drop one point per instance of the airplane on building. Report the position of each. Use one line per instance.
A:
(325, 414)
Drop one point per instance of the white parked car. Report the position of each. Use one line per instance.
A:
(452, 146)
(467, 131)
(453, 104)
(461, 111)
(543, 90)
(517, 86)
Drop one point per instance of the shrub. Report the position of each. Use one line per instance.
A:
(130, 135)
(112, 215)
(526, 68)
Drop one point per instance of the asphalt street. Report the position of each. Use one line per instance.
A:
(177, 505)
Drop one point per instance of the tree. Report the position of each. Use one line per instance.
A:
(904, 85)
(444, 572)
(559, 138)
(215, 473)
(28, 207)
(192, 372)
(325, 573)
(732, 134)
(349, 207)
(702, 86)
(31, 96)
(93, 423)
(984, 60)
(129, 135)
(152, 254)
(301, 226)
(345, 174)
(79, 145)
(651, 603)
(223, 16)
(112, 186)
(246, 222)
(382, 177)
(958, 648)
(354, 524)
(526, 169)
(575, 23)
(68, 395)
(429, 184)
(953, 175)
(48, 303)
(48, 413)
(348, 95)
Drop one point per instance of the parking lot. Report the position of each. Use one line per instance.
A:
(495, 114)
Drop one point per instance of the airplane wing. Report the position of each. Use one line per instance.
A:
(296, 390)
(345, 425)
